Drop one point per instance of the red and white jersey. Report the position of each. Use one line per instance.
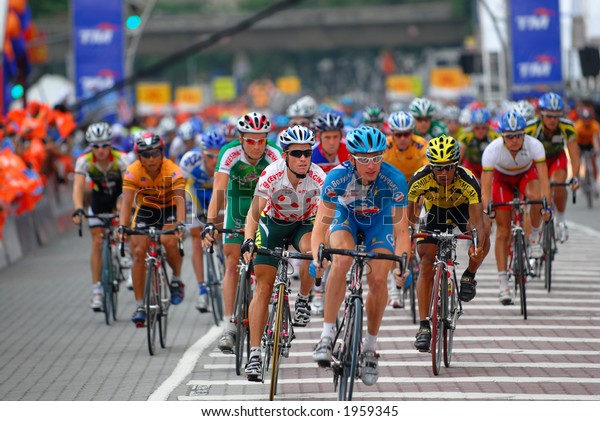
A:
(283, 201)
(497, 156)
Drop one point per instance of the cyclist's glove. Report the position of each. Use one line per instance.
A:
(247, 246)
(574, 181)
(78, 212)
(181, 227)
(208, 229)
(121, 230)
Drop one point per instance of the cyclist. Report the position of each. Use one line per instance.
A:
(515, 160)
(450, 192)
(405, 151)
(187, 139)
(302, 111)
(368, 195)
(105, 167)
(451, 118)
(283, 207)
(155, 186)
(526, 109)
(555, 133)
(374, 116)
(167, 130)
(475, 140)
(230, 130)
(239, 166)
(198, 167)
(329, 151)
(588, 137)
(423, 111)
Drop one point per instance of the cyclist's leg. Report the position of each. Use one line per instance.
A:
(96, 266)
(301, 241)
(557, 172)
(198, 264)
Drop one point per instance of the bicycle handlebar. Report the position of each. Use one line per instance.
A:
(516, 203)
(106, 219)
(224, 231)
(146, 232)
(568, 183)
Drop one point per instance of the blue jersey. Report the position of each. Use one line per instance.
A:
(199, 183)
(375, 200)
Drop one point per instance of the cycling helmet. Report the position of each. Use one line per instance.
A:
(373, 114)
(401, 121)
(167, 125)
(480, 116)
(551, 102)
(229, 129)
(421, 107)
(525, 109)
(512, 121)
(328, 122)
(186, 131)
(309, 105)
(145, 141)
(254, 123)
(443, 149)
(98, 133)
(298, 135)
(214, 140)
(451, 113)
(365, 139)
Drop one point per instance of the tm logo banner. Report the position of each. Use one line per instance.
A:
(535, 42)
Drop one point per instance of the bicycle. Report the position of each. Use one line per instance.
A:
(279, 331)
(445, 307)
(519, 266)
(588, 183)
(409, 289)
(157, 296)
(111, 274)
(345, 356)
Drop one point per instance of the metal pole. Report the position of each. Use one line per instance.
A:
(137, 36)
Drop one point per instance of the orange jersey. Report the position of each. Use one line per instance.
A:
(409, 160)
(586, 133)
(157, 193)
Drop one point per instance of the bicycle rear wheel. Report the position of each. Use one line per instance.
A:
(588, 182)
(549, 250)
(275, 357)
(214, 288)
(165, 302)
(151, 304)
(521, 271)
(106, 282)
(242, 336)
(439, 299)
(413, 292)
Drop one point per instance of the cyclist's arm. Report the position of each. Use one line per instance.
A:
(402, 243)
(78, 190)
(477, 221)
(179, 199)
(323, 219)
(413, 212)
(125, 212)
(257, 205)
(217, 200)
(486, 186)
(573, 148)
(542, 170)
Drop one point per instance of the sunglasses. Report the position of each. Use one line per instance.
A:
(423, 118)
(480, 127)
(513, 135)
(402, 134)
(368, 159)
(150, 154)
(548, 115)
(105, 145)
(297, 153)
(210, 155)
(447, 167)
(253, 142)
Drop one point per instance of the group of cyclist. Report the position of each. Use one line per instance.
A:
(323, 182)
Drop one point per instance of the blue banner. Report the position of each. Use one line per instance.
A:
(535, 42)
(99, 54)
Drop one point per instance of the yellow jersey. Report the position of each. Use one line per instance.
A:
(586, 132)
(409, 160)
(154, 193)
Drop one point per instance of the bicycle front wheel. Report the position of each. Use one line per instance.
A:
(151, 304)
(214, 288)
(242, 334)
(106, 282)
(413, 292)
(548, 241)
(165, 301)
(521, 271)
(439, 300)
(452, 312)
(277, 329)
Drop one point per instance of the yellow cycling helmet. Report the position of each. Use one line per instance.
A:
(443, 149)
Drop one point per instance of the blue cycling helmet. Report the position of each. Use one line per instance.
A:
(551, 102)
(365, 139)
(512, 121)
(186, 131)
(214, 140)
(480, 116)
(296, 135)
(401, 121)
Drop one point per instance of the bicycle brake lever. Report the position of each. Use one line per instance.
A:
(180, 246)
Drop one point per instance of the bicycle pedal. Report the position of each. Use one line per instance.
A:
(140, 325)
(324, 364)
(256, 379)
(97, 310)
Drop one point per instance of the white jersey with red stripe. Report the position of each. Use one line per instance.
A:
(283, 201)
(497, 156)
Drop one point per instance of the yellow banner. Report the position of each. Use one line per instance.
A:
(188, 98)
(404, 85)
(158, 93)
(224, 88)
(289, 85)
(447, 78)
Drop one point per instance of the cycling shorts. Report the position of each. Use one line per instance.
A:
(557, 162)
(441, 218)
(585, 148)
(145, 217)
(474, 168)
(503, 186)
(271, 233)
(235, 218)
(95, 222)
(379, 234)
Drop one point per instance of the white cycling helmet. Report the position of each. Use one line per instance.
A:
(401, 121)
(98, 133)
